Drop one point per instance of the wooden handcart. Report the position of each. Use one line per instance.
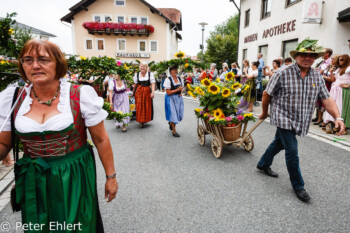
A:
(245, 139)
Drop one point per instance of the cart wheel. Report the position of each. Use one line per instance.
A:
(248, 144)
(201, 135)
(216, 147)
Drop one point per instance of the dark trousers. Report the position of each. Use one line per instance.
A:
(285, 140)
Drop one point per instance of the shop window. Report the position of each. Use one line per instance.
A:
(244, 55)
(88, 44)
(263, 50)
(154, 46)
(100, 44)
(142, 46)
(121, 45)
(291, 2)
(247, 18)
(266, 9)
(288, 46)
(120, 2)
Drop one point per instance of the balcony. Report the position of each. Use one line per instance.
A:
(118, 29)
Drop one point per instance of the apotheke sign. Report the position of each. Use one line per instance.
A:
(133, 55)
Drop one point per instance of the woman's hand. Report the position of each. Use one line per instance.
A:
(152, 94)
(344, 85)
(111, 189)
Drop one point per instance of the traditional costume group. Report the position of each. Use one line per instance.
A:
(174, 105)
(120, 100)
(55, 179)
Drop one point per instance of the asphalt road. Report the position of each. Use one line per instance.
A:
(169, 184)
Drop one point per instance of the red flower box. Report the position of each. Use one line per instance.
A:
(123, 27)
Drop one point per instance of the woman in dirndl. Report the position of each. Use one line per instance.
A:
(56, 177)
(250, 94)
(119, 99)
(144, 93)
(174, 105)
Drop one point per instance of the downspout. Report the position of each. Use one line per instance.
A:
(239, 24)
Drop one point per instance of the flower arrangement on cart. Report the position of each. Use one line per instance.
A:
(221, 107)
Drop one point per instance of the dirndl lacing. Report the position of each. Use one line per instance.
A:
(57, 147)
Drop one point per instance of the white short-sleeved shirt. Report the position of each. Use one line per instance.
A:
(90, 106)
(167, 83)
(254, 72)
(153, 80)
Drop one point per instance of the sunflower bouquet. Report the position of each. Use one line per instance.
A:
(112, 114)
(220, 101)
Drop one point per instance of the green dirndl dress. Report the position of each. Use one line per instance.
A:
(56, 178)
(250, 94)
(346, 107)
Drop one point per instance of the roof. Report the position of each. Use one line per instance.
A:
(172, 13)
(344, 16)
(33, 30)
(83, 5)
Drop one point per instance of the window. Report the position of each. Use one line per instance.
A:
(102, 18)
(144, 20)
(133, 19)
(290, 2)
(247, 17)
(266, 9)
(108, 19)
(97, 18)
(121, 44)
(153, 46)
(100, 44)
(288, 46)
(120, 19)
(88, 44)
(244, 55)
(142, 46)
(120, 2)
(263, 50)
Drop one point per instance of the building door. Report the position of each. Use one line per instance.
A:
(263, 50)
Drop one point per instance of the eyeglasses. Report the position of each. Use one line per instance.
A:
(41, 60)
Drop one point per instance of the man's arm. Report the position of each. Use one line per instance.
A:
(265, 105)
(332, 109)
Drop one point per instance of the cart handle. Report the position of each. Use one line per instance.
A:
(246, 134)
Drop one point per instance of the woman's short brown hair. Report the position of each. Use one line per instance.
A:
(54, 52)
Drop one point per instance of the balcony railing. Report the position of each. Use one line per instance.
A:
(118, 29)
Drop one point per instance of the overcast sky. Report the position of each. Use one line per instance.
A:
(46, 14)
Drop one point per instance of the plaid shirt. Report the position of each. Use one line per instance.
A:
(293, 98)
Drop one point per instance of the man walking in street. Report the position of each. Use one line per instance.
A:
(260, 70)
(292, 93)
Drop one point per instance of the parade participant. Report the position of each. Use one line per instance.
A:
(342, 79)
(119, 99)
(174, 105)
(144, 92)
(202, 74)
(293, 92)
(245, 66)
(288, 61)
(55, 179)
(250, 94)
(223, 75)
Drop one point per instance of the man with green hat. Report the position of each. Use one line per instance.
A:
(292, 93)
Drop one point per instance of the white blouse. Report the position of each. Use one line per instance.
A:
(144, 78)
(167, 83)
(111, 86)
(90, 107)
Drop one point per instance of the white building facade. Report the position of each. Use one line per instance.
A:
(274, 27)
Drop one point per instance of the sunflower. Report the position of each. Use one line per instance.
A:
(10, 31)
(189, 87)
(226, 92)
(191, 94)
(213, 89)
(217, 80)
(229, 76)
(235, 86)
(198, 109)
(186, 65)
(179, 54)
(199, 91)
(206, 82)
(218, 113)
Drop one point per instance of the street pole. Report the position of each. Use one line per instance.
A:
(203, 27)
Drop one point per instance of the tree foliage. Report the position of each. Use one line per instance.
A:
(223, 41)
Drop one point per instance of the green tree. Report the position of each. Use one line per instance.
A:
(223, 41)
